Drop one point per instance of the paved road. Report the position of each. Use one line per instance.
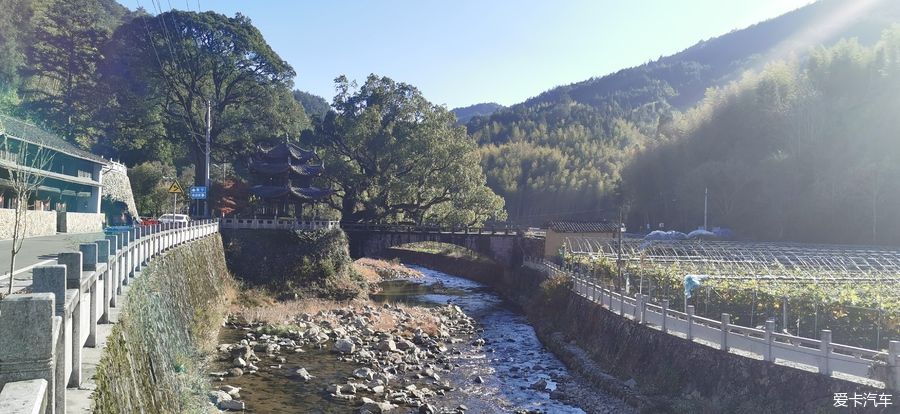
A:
(35, 252)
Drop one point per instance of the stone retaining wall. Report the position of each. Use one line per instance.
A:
(79, 222)
(650, 369)
(154, 356)
(117, 187)
(39, 223)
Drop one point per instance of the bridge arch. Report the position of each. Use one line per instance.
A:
(503, 246)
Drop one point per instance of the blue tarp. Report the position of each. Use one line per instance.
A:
(723, 233)
(702, 234)
(665, 235)
(692, 282)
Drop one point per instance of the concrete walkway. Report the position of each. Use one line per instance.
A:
(78, 400)
(37, 251)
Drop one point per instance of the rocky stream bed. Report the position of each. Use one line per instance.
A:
(436, 344)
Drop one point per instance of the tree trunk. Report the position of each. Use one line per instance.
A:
(12, 266)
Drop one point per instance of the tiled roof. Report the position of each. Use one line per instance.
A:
(583, 227)
(25, 131)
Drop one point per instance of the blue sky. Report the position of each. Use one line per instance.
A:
(469, 51)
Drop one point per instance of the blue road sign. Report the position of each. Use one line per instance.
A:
(198, 193)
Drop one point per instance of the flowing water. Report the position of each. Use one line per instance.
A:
(510, 363)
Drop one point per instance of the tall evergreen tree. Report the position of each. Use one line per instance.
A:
(62, 65)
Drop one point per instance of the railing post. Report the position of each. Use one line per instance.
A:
(103, 257)
(665, 315)
(893, 377)
(154, 240)
(637, 308)
(134, 253)
(52, 279)
(767, 335)
(89, 263)
(825, 348)
(113, 272)
(622, 304)
(72, 262)
(690, 322)
(27, 349)
(726, 322)
(644, 309)
(636, 312)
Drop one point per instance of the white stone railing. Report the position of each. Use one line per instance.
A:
(278, 224)
(42, 333)
(827, 357)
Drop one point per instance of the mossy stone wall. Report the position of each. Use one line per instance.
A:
(156, 354)
(293, 264)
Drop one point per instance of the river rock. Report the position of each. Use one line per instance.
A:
(231, 405)
(303, 374)
(375, 407)
(239, 362)
(344, 346)
(387, 345)
(540, 385)
(364, 373)
(235, 372)
(217, 397)
(232, 391)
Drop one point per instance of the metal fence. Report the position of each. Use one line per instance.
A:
(819, 355)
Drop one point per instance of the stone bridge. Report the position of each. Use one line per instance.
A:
(505, 246)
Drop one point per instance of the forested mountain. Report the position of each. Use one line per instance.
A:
(49, 51)
(560, 154)
(314, 105)
(463, 115)
(799, 151)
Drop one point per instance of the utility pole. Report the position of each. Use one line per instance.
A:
(705, 202)
(620, 230)
(206, 212)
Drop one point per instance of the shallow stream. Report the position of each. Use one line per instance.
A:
(510, 364)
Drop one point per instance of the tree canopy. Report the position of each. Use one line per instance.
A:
(165, 71)
(801, 150)
(393, 156)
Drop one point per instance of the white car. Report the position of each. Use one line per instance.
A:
(174, 218)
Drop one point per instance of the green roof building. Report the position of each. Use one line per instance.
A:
(68, 199)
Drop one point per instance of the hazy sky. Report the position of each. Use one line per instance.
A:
(469, 51)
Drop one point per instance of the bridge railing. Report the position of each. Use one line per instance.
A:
(278, 223)
(820, 355)
(402, 228)
(42, 332)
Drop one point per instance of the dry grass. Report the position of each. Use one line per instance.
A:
(374, 270)
(262, 309)
(277, 313)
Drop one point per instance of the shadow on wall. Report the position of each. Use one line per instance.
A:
(293, 264)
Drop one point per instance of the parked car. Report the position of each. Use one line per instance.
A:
(149, 221)
(174, 218)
